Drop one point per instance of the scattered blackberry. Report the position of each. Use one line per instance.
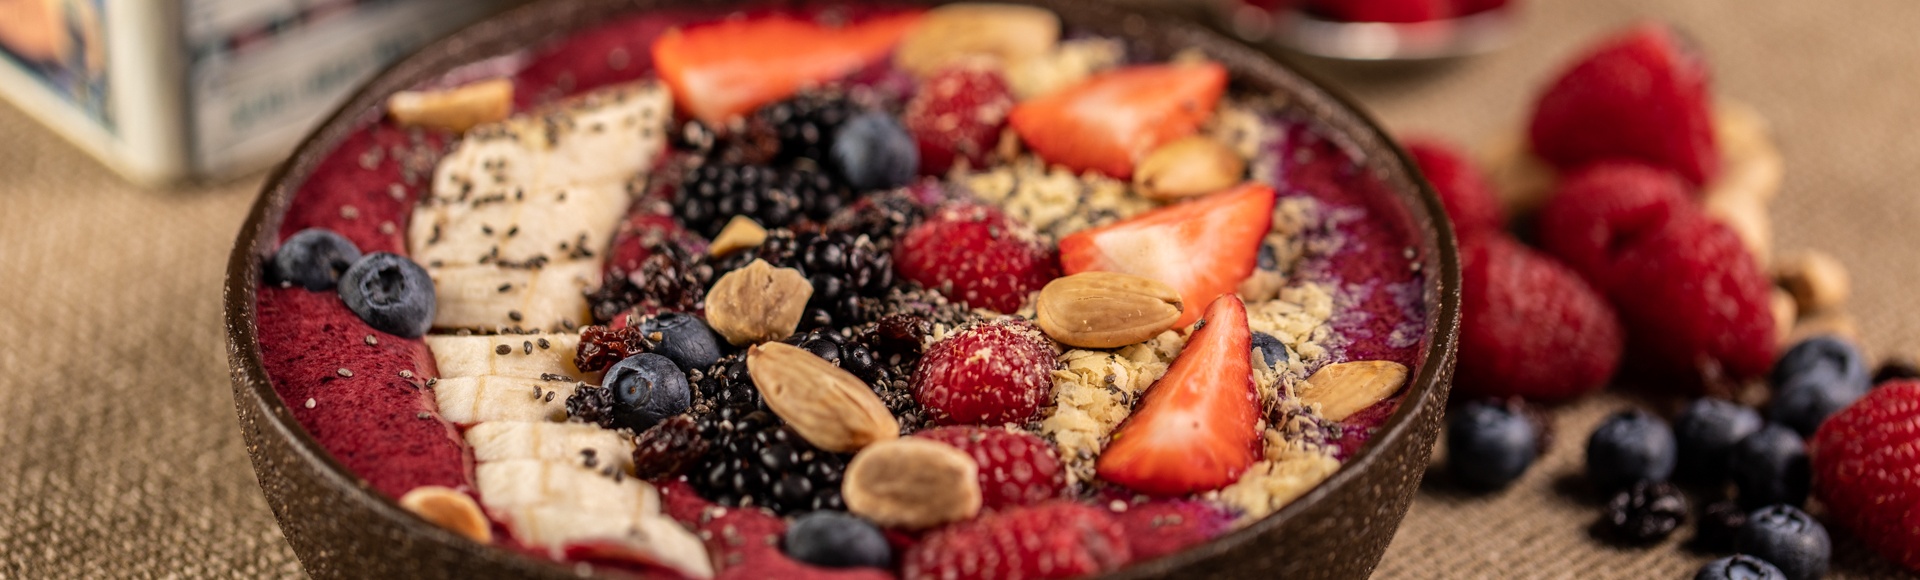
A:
(601, 347)
(852, 357)
(714, 193)
(591, 404)
(845, 271)
(725, 386)
(1645, 513)
(753, 459)
(806, 123)
(669, 449)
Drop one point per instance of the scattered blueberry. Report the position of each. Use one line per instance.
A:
(683, 338)
(837, 540)
(1815, 379)
(1739, 567)
(1271, 349)
(873, 152)
(1896, 369)
(1787, 538)
(1628, 447)
(1707, 432)
(1770, 467)
(313, 258)
(391, 293)
(648, 388)
(1490, 444)
(1719, 522)
(1645, 513)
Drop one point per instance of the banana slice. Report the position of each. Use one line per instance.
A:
(654, 539)
(532, 482)
(505, 441)
(524, 357)
(520, 211)
(469, 401)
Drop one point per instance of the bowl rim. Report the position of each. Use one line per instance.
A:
(522, 27)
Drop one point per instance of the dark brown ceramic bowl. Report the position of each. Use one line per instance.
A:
(339, 528)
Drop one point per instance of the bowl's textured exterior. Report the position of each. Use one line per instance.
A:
(1339, 530)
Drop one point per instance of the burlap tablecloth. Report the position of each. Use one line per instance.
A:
(119, 454)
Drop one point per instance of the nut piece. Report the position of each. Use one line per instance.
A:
(456, 109)
(449, 509)
(1817, 280)
(959, 31)
(1785, 313)
(1187, 167)
(829, 407)
(912, 483)
(1106, 309)
(740, 233)
(758, 303)
(1346, 388)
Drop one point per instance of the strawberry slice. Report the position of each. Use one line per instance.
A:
(1197, 428)
(1112, 120)
(732, 67)
(1203, 248)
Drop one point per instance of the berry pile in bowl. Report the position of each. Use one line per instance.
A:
(841, 290)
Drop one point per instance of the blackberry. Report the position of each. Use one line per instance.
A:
(1720, 523)
(670, 279)
(881, 216)
(669, 449)
(754, 459)
(601, 347)
(806, 123)
(725, 385)
(591, 404)
(845, 270)
(1645, 513)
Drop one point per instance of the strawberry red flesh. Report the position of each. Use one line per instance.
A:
(728, 68)
(1196, 429)
(1203, 248)
(1109, 122)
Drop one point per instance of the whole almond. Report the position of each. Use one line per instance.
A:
(1106, 309)
(1188, 167)
(1346, 388)
(955, 32)
(912, 483)
(758, 303)
(449, 509)
(827, 406)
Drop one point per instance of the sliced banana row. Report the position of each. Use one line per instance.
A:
(520, 212)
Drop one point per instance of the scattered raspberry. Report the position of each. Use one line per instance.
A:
(978, 256)
(1017, 468)
(1529, 326)
(1600, 212)
(1054, 540)
(1641, 94)
(1164, 526)
(958, 115)
(1695, 304)
(1462, 187)
(986, 374)
(1863, 464)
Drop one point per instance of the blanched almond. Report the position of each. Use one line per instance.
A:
(1105, 309)
(1346, 388)
(456, 109)
(740, 233)
(449, 509)
(1188, 167)
(954, 32)
(758, 303)
(912, 483)
(827, 406)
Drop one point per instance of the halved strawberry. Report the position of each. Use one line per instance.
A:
(1197, 428)
(1204, 248)
(732, 67)
(1112, 120)
(1641, 95)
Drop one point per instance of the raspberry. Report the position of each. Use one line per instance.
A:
(986, 374)
(1695, 304)
(1863, 464)
(1642, 94)
(1383, 10)
(958, 115)
(744, 543)
(977, 256)
(1053, 540)
(1017, 468)
(1600, 212)
(1462, 187)
(1529, 326)
(1164, 526)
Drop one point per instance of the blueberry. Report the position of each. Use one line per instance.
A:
(1271, 349)
(1770, 467)
(1815, 379)
(1787, 538)
(648, 388)
(391, 293)
(313, 258)
(684, 339)
(872, 152)
(837, 540)
(1490, 444)
(1739, 567)
(1628, 447)
(1707, 432)
(1269, 260)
